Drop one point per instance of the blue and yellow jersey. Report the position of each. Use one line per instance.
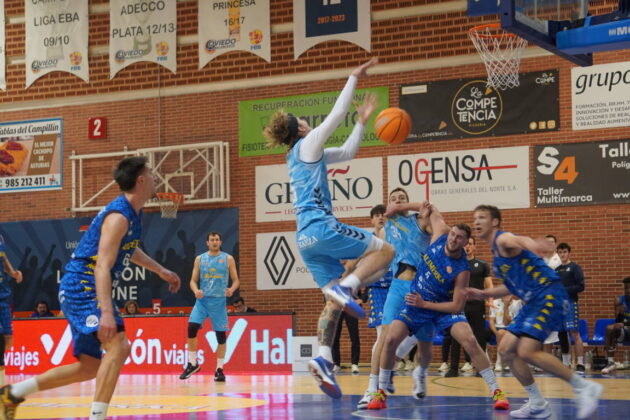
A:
(83, 259)
(525, 275)
(309, 181)
(213, 274)
(5, 279)
(407, 238)
(623, 300)
(435, 278)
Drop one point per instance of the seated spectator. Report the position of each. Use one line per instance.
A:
(239, 306)
(131, 308)
(41, 310)
(620, 330)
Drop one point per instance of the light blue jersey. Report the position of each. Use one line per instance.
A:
(408, 239)
(213, 274)
(311, 196)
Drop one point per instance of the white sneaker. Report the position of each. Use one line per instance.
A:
(467, 367)
(528, 411)
(587, 398)
(498, 367)
(363, 402)
(355, 369)
(336, 369)
(400, 365)
(410, 365)
(444, 367)
(610, 367)
(419, 384)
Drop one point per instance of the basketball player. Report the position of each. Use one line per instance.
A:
(443, 270)
(620, 330)
(526, 275)
(321, 239)
(6, 325)
(85, 294)
(209, 283)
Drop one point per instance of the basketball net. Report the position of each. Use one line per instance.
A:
(169, 203)
(501, 53)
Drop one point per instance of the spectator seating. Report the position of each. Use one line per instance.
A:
(599, 332)
(583, 329)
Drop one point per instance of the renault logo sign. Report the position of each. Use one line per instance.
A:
(279, 260)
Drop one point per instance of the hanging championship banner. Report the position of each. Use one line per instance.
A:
(56, 38)
(240, 25)
(142, 30)
(3, 76)
(330, 20)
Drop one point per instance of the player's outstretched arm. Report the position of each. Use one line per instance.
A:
(513, 244)
(491, 293)
(234, 276)
(140, 258)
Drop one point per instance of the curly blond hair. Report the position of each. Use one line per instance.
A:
(277, 130)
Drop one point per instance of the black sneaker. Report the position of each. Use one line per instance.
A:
(190, 369)
(219, 376)
(8, 403)
(451, 373)
(580, 369)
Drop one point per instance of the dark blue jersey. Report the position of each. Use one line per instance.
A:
(572, 277)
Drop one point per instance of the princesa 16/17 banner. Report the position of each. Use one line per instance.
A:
(56, 38)
(234, 25)
(460, 108)
(142, 30)
(254, 115)
(461, 180)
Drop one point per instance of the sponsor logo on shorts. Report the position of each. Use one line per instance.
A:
(91, 321)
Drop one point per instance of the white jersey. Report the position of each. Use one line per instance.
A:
(498, 308)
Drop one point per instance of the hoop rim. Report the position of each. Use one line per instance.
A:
(478, 31)
(175, 197)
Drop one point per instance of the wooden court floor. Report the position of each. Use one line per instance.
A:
(297, 397)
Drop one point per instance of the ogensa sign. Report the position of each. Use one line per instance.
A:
(255, 343)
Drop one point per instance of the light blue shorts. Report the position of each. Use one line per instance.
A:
(395, 299)
(423, 323)
(213, 308)
(323, 243)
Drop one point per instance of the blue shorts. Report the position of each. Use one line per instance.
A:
(81, 309)
(6, 318)
(423, 323)
(376, 300)
(210, 307)
(324, 242)
(543, 314)
(395, 299)
(572, 319)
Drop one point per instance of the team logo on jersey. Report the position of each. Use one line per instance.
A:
(221, 261)
(91, 321)
(449, 269)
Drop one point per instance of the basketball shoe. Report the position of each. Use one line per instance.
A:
(343, 296)
(419, 384)
(322, 370)
(189, 370)
(8, 403)
(500, 400)
(219, 376)
(586, 399)
(379, 401)
(528, 411)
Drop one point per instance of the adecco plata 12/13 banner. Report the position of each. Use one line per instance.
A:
(582, 173)
(462, 108)
(255, 343)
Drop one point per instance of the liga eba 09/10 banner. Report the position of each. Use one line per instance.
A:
(460, 108)
(254, 115)
(578, 174)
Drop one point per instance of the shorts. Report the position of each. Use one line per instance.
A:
(6, 318)
(376, 300)
(572, 319)
(210, 307)
(395, 301)
(542, 315)
(423, 323)
(80, 308)
(324, 242)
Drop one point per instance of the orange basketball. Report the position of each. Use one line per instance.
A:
(392, 125)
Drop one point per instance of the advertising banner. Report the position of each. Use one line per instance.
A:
(174, 243)
(461, 180)
(142, 30)
(461, 108)
(56, 38)
(578, 174)
(3, 56)
(30, 155)
(255, 343)
(279, 265)
(355, 187)
(600, 96)
(253, 117)
(233, 26)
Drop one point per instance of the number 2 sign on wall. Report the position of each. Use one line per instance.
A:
(97, 128)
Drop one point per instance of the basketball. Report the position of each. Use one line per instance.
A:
(392, 125)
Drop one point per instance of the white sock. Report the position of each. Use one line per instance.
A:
(192, 357)
(220, 363)
(98, 411)
(422, 371)
(373, 387)
(24, 388)
(535, 397)
(384, 378)
(577, 381)
(611, 360)
(326, 353)
(498, 359)
(580, 360)
(351, 281)
(566, 359)
(488, 375)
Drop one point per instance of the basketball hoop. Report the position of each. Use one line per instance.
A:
(169, 203)
(501, 52)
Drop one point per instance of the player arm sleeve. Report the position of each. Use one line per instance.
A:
(348, 150)
(311, 148)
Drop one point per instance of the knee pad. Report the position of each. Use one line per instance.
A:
(193, 328)
(221, 338)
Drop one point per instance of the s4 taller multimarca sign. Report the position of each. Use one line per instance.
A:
(355, 187)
